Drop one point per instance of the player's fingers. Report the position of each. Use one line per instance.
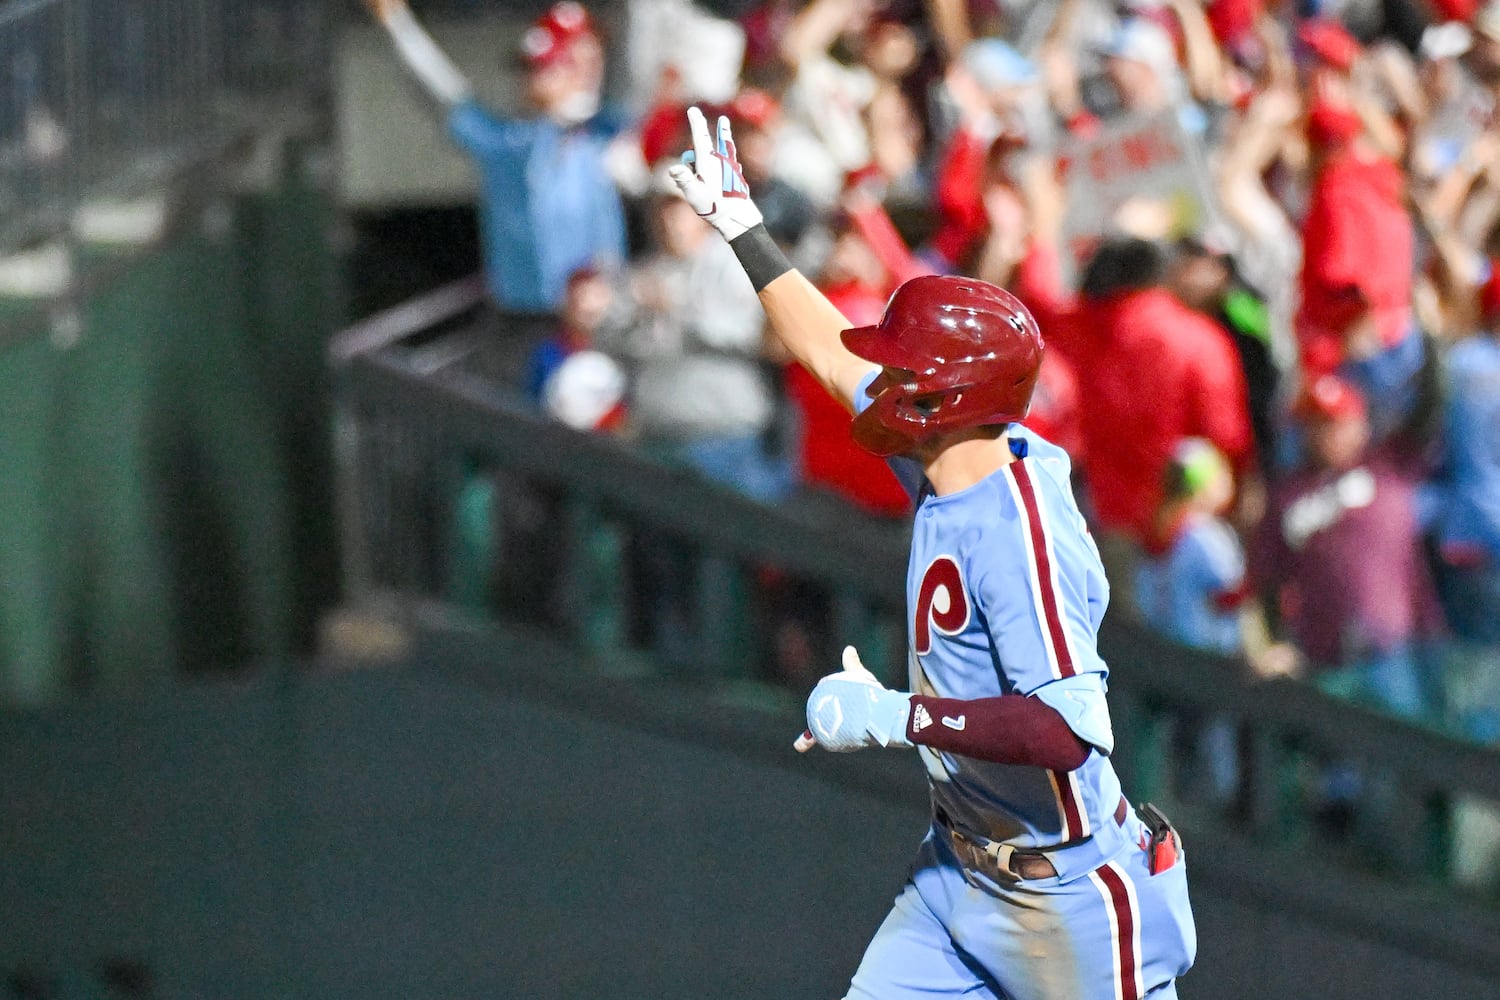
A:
(852, 662)
(693, 189)
(703, 145)
(726, 136)
(805, 742)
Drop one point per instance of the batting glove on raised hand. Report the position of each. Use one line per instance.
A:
(851, 710)
(710, 178)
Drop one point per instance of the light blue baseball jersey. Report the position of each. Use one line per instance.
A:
(1005, 594)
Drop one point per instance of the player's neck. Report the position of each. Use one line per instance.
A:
(957, 465)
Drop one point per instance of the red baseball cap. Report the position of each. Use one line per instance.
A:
(754, 107)
(1329, 397)
(1330, 42)
(550, 35)
(1233, 20)
(1489, 293)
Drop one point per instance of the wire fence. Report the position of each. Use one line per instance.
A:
(110, 94)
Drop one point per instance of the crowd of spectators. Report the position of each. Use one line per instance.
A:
(1260, 238)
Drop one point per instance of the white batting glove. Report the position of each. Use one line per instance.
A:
(851, 710)
(710, 178)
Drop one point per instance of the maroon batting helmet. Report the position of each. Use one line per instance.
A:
(972, 350)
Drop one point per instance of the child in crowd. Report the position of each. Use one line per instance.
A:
(1191, 581)
(587, 300)
(1189, 585)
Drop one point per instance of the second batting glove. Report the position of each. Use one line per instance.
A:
(851, 710)
(710, 178)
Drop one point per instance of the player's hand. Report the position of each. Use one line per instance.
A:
(851, 710)
(710, 178)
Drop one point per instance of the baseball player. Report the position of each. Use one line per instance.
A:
(1036, 881)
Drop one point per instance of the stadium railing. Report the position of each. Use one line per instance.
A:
(437, 465)
(103, 96)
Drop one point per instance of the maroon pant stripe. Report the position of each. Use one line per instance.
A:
(1120, 899)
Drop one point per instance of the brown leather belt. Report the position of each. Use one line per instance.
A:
(1022, 865)
(1003, 862)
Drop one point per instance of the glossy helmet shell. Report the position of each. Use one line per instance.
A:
(972, 350)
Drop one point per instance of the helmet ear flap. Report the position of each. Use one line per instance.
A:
(877, 437)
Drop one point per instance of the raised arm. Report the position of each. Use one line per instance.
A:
(1059, 66)
(1205, 63)
(816, 27)
(1257, 142)
(806, 323)
(428, 63)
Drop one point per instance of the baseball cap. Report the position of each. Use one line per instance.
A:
(585, 391)
(1144, 41)
(1489, 292)
(1232, 21)
(1329, 42)
(754, 107)
(1329, 397)
(550, 35)
(1195, 464)
(1446, 41)
(995, 64)
(1455, 10)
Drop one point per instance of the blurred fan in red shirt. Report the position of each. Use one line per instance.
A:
(1152, 372)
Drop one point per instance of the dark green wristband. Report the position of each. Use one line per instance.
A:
(759, 255)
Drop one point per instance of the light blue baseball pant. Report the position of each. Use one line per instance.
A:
(1116, 933)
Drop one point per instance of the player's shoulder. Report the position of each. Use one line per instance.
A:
(1048, 467)
(1028, 444)
(1028, 501)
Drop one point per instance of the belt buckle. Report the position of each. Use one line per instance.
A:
(983, 857)
(1002, 856)
(1001, 859)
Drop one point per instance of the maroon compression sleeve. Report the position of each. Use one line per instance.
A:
(1010, 729)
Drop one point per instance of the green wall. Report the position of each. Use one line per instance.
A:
(163, 480)
(493, 818)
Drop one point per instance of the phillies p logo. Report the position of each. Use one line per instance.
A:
(941, 603)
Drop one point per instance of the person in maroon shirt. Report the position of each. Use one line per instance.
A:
(1339, 554)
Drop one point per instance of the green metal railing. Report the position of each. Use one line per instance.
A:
(427, 488)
